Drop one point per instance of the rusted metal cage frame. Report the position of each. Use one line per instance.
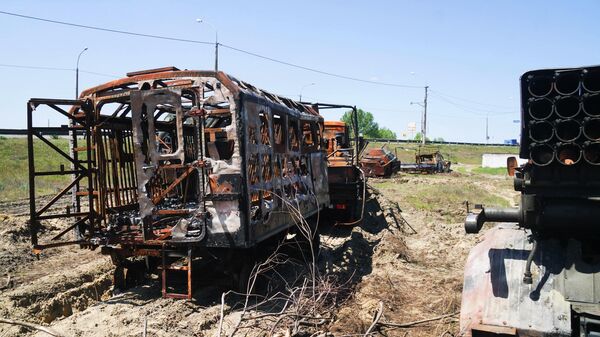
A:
(100, 214)
(355, 129)
(77, 126)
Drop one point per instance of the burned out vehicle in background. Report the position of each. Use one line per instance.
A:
(427, 162)
(539, 275)
(346, 179)
(177, 167)
(379, 162)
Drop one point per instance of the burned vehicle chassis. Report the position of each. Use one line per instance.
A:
(184, 165)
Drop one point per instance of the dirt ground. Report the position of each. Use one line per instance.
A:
(401, 267)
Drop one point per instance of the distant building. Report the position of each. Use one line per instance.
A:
(498, 159)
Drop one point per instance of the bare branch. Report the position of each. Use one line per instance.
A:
(49, 331)
(376, 319)
(411, 324)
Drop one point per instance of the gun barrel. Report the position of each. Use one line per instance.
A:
(568, 130)
(591, 80)
(540, 108)
(474, 222)
(540, 86)
(567, 83)
(567, 106)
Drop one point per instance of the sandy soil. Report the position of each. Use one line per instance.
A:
(413, 269)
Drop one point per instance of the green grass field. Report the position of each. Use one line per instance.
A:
(14, 167)
(14, 164)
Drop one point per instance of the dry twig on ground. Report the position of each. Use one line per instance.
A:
(32, 326)
(376, 319)
(305, 301)
(413, 323)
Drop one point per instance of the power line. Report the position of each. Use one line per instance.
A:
(34, 67)
(322, 72)
(105, 29)
(475, 111)
(99, 74)
(20, 66)
(468, 100)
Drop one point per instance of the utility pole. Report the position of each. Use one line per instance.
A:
(424, 131)
(200, 20)
(487, 135)
(423, 116)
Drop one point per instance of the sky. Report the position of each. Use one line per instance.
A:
(470, 53)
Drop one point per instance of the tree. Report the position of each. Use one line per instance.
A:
(419, 137)
(367, 125)
(386, 133)
(438, 139)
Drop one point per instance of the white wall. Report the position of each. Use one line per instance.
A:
(498, 159)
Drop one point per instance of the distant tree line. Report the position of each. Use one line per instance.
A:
(367, 125)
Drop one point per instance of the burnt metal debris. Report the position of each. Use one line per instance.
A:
(346, 179)
(177, 165)
(544, 281)
(380, 162)
(427, 162)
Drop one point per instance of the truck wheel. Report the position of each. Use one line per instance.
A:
(119, 278)
(244, 264)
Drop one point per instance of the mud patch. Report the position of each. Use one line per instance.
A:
(57, 295)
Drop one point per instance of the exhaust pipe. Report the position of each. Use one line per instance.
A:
(541, 131)
(540, 108)
(591, 153)
(591, 128)
(591, 80)
(568, 153)
(567, 130)
(591, 105)
(567, 106)
(541, 154)
(567, 82)
(539, 86)
(474, 222)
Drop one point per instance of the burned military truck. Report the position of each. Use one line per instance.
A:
(174, 165)
(540, 275)
(347, 185)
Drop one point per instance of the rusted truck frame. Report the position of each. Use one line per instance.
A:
(429, 163)
(346, 178)
(177, 165)
(379, 162)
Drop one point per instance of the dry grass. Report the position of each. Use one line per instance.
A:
(442, 195)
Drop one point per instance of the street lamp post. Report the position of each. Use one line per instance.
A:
(424, 116)
(216, 42)
(301, 89)
(77, 74)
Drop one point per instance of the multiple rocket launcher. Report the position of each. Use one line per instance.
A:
(561, 119)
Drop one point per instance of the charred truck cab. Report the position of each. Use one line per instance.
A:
(540, 275)
(171, 165)
(347, 185)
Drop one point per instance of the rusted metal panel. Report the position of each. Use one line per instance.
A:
(344, 178)
(379, 162)
(494, 293)
(433, 162)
